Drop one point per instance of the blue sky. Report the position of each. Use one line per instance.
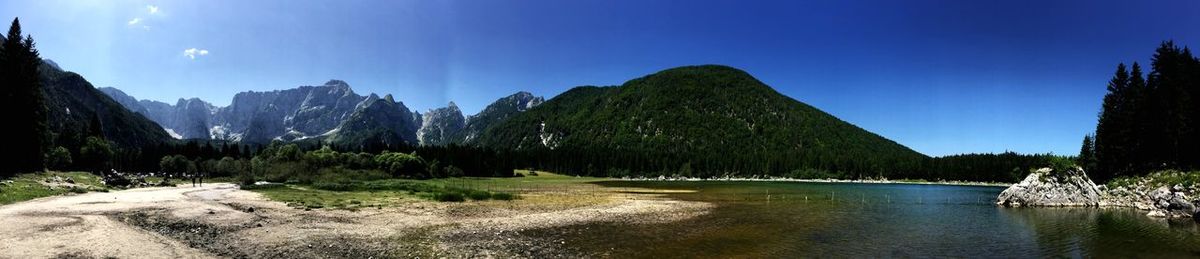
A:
(942, 77)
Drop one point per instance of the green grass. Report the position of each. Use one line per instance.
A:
(1161, 178)
(355, 195)
(310, 198)
(29, 186)
(1173, 177)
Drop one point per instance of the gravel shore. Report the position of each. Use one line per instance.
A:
(221, 221)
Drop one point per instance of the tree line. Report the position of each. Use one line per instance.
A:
(302, 163)
(1147, 121)
(984, 167)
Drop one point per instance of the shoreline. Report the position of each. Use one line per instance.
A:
(221, 220)
(785, 179)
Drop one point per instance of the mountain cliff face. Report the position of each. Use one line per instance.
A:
(440, 126)
(124, 99)
(187, 119)
(307, 111)
(499, 111)
(332, 112)
(377, 121)
(254, 117)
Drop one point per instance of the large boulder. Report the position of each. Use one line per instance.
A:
(1048, 188)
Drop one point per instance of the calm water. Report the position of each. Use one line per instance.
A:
(881, 220)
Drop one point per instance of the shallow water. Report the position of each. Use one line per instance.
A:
(879, 220)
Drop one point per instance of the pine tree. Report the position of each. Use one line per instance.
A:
(1112, 131)
(23, 97)
(1087, 154)
(1171, 102)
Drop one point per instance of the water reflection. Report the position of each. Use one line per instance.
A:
(873, 220)
(1084, 232)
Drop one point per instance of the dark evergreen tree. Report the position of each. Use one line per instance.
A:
(1112, 145)
(1172, 139)
(1149, 124)
(1087, 154)
(22, 97)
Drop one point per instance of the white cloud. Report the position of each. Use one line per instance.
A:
(193, 52)
(152, 9)
(135, 21)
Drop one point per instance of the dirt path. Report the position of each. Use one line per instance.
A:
(219, 220)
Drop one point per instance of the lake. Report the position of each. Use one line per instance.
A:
(878, 220)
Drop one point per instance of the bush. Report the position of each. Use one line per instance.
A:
(479, 195)
(449, 196)
(58, 158)
(336, 186)
(503, 196)
(1060, 165)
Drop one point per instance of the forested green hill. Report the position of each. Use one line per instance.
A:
(700, 120)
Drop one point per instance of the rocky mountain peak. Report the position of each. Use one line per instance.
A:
(337, 83)
(329, 110)
(440, 126)
(51, 63)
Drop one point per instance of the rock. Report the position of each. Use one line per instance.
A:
(1156, 214)
(1161, 197)
(1180, 204)
(1042, 188)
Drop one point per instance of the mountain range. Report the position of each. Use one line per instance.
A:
(692, 113)
(331, 112)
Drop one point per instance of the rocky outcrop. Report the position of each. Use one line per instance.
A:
(1048, 188)
(1156, 196)
(1044, 188)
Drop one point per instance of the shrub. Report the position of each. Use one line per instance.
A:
(479, 195)
(336, 186)
(449, 196)
(58, 158)
(503, 196)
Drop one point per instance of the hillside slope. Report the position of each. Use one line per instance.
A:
(711, 119)
(73, 102)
